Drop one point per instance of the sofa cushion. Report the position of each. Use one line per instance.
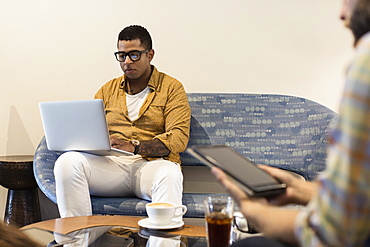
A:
(136, 206)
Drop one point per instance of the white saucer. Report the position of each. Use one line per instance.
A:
(147, 224)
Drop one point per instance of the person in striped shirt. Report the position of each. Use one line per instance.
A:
(338, 201)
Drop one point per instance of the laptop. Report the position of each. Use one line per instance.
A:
(78, 125)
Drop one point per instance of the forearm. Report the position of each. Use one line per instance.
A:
(274, 222)
(153, 148)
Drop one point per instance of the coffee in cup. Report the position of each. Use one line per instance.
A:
(162, 213)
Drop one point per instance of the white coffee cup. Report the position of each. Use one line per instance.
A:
(162, 213)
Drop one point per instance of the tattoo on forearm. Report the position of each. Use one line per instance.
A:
(153, 148)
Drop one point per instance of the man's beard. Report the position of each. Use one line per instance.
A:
(360, 20)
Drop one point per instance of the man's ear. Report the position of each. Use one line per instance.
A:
(151, 55)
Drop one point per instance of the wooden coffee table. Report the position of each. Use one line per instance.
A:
(71, 225)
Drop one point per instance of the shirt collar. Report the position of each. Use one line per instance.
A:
(363, 39)
(153, 80)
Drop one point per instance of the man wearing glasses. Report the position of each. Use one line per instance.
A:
(148, 114)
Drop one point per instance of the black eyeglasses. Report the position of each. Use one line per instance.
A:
(133, 55)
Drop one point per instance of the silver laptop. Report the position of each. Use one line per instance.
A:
(78, 125)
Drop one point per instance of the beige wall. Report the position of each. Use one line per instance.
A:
(63, 50)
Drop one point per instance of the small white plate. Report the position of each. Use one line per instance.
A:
(147, 224)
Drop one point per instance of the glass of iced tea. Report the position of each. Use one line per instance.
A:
(218, 212)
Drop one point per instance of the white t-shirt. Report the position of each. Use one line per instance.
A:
(134, 103)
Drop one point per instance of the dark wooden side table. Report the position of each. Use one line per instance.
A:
(16, 174)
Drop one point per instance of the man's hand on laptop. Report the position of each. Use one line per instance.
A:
(121, 144)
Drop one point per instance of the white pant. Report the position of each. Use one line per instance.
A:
(78, 174)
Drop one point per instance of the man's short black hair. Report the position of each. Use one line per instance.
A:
(136, 32)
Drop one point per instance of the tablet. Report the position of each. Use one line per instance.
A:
(253, 180)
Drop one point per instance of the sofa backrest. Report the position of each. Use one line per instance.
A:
(283, 131)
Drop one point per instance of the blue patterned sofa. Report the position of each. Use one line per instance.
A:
(277, 130)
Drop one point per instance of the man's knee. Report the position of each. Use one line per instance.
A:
(170, 170)
(68, 162)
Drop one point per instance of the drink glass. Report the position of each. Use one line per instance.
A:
(218, 212)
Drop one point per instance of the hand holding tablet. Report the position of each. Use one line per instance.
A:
(253, 180)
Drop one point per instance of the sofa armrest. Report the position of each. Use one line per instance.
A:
(43, 169)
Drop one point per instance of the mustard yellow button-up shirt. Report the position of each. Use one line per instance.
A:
(165, 114)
